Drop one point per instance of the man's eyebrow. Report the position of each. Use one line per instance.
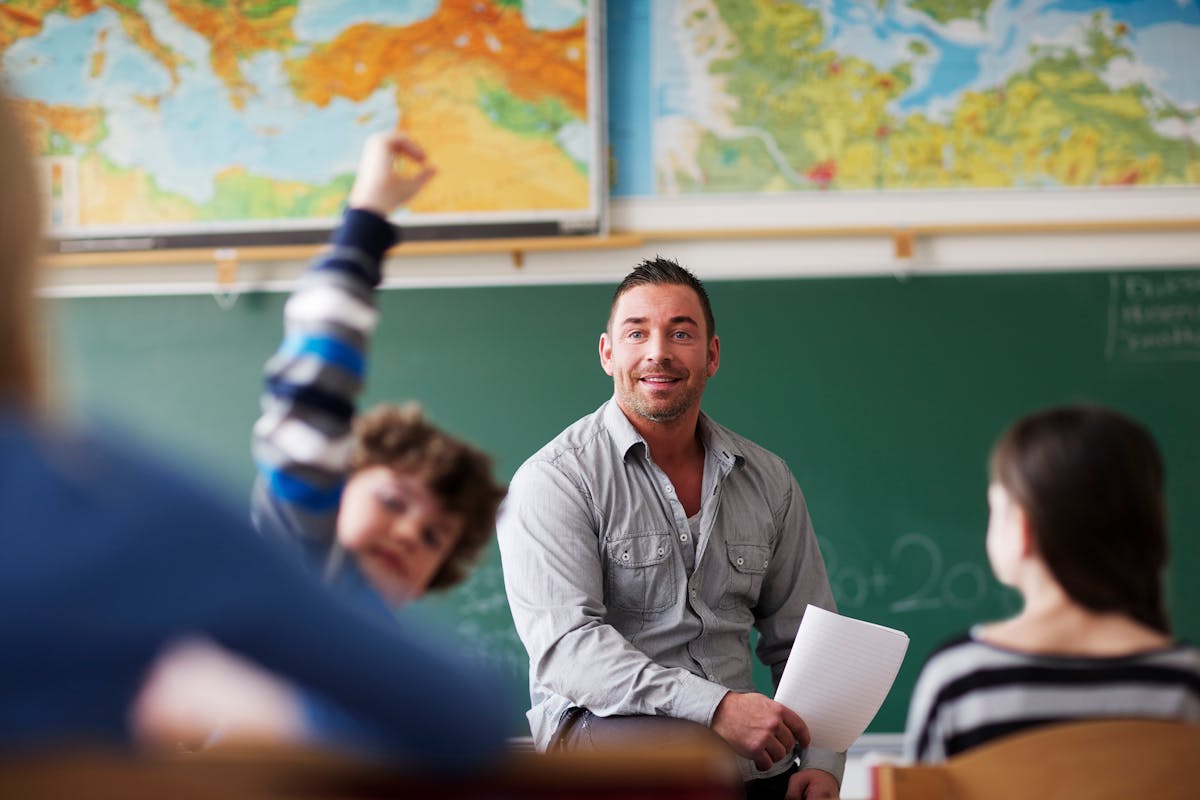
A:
(682, 319)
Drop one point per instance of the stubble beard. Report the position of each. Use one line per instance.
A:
(655, 412)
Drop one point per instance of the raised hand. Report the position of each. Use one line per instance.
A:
(379, 185)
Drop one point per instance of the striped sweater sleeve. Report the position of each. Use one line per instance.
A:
(301, 442)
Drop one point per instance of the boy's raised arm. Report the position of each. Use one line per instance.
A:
(302, 441)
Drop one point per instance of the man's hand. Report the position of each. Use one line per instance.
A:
(379, 186)
(812, 784)
(759, 728)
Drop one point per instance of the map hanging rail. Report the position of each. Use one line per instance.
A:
(903, 237)
(226, 292)
(516, 247)
(917, 231)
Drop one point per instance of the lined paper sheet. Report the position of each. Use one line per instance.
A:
(838, 674)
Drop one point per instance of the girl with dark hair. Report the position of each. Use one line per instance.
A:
(1078, 528)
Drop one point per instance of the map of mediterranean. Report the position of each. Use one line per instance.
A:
(198, 115)
(757, 96)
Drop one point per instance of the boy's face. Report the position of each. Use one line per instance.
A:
(397, 529)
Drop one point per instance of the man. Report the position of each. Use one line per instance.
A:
(642, 544)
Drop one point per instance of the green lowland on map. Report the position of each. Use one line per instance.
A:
(758, 96)
(178, 115)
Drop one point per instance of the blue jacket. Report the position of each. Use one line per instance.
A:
(106, 555)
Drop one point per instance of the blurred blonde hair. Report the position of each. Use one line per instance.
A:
(20, 240)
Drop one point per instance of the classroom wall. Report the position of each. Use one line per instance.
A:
(717, 241)
(882, 393)
(881, 379)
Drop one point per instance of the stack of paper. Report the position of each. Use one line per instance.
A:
(838, 675)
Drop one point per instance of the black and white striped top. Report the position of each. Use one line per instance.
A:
(970, 692)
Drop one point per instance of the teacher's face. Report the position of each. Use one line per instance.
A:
(658, 352)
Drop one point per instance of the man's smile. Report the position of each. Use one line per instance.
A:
(659, 379)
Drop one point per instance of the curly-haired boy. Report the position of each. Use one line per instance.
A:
(412, 505)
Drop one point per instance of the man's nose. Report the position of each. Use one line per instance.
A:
(660, 349)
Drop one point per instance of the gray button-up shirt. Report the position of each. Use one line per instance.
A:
(620, 611)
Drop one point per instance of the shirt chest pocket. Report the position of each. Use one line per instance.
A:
(747, 566)
(641, 572)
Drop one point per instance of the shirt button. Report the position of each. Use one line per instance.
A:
(683, 537)
(693, 591)
(765, 565)
(670, 490)
(624, 556)
(740, 561)
(661, 551)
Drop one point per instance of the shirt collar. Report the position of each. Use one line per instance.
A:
(718, 441)
(624, 435)
(715, 438)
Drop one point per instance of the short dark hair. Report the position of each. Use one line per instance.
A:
(659, 271)
(401, 438)
(1090, 481)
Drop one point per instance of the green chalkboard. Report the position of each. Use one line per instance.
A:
(883, 395)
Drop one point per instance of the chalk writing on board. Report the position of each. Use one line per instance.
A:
(930, 583)
(477, 613)
(1154, 317)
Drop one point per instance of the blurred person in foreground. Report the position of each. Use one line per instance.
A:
(108, 558)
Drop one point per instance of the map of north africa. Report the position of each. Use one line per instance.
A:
(199, 114)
